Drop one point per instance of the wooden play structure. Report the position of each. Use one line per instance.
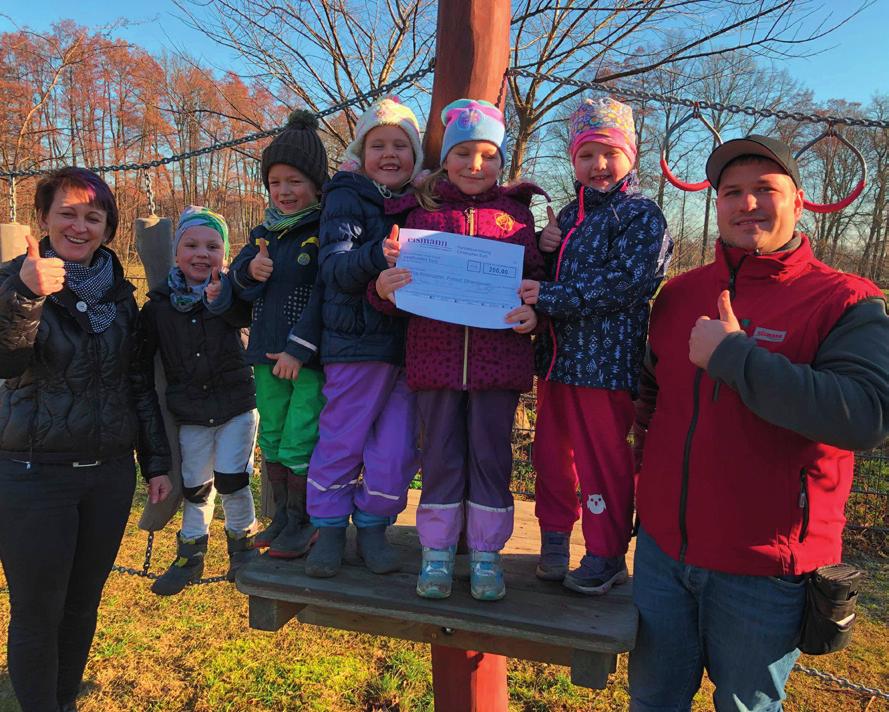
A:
(470, 640)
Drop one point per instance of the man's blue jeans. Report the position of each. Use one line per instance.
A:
(742, 629)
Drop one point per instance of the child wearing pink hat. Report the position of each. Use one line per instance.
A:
(610, 250)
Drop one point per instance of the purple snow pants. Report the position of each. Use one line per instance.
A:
(369, 419)
(466, 455)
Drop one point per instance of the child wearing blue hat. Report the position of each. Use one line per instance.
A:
(210, 393)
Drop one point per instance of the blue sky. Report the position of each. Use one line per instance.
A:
(851, 63)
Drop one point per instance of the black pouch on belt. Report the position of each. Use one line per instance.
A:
(831, 594)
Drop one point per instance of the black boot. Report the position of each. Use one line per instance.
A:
(378, 554)
(241, 551)
(188, 567)
(326, 557)
(298, 534)
(277, 476)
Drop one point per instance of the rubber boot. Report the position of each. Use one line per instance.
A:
(298, 535)
(241, 551)
(188, 566)
(376, 551)
(277, 475)
(326, 557)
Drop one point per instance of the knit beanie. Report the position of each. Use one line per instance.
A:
(472, 120)
(197, 216)
(604, 120)
(388, 111)
(298, 145)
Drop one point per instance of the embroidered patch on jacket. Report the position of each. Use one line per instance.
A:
(504, 221)
(596, 503)
(772, 335)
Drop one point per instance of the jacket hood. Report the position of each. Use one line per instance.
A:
(357, 182)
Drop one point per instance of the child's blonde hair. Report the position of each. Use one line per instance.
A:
(427, 195)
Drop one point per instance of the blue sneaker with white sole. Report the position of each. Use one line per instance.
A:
(486, 576)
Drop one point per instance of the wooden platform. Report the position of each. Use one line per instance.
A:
(537, 620)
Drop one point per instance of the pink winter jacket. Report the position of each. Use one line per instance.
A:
(441, 355)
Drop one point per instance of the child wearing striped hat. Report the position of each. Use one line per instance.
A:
(210, 394)
(610, 249)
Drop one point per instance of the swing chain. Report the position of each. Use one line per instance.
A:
(146, 565)
(690, 103)
(13, 207)
(841, 681)
(149, 192)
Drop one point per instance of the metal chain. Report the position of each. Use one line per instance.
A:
(715, 105)
(175, 158)
(149, 192)
(146, 565)
(13, 207)
(841, 681)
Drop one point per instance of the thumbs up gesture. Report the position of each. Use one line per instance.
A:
(392, 247)
(708, 333)
(551, 235)
(42, 275)
(213, 290)
(261, 266)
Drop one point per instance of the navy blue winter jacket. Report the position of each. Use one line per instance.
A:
(353, 226)
(614, 254)
(282, 300)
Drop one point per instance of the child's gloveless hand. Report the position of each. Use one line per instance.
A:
(214, 288)
(286, 366)
(524, 318)
(391, 247)
(529, 291)
(551, 235)
(261, 266)
(390, 280)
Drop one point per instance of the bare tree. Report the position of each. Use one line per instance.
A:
(584, 40)
(316, 53)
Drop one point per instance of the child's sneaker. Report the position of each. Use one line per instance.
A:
(486, 576)
(597, 574)
(555, 555)
(436, 573)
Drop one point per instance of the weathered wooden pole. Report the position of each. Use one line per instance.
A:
(471, 55)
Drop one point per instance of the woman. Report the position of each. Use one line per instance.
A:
(72, 409)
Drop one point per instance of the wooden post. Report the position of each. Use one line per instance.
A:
(12, 240)
(471, 55)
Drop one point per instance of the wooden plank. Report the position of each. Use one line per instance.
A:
(604, 624)
(427, 633)
(270, 614)
(592, 669)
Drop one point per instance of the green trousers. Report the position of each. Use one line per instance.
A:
(288, 416)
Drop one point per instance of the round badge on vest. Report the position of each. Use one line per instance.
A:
(81, 307)
(303, 259)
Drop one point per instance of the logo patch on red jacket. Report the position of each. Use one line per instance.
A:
(772, 335)
(504, 221)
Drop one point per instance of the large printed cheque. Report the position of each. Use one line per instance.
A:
(459, 279)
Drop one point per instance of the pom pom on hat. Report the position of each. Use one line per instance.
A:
(298, 145)
(472, 120)
(388, 111)
(604, 120)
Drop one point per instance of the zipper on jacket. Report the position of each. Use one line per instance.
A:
(686, 457)
(581, 214)
(470, 229)
(732, 273)
(803, 503)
